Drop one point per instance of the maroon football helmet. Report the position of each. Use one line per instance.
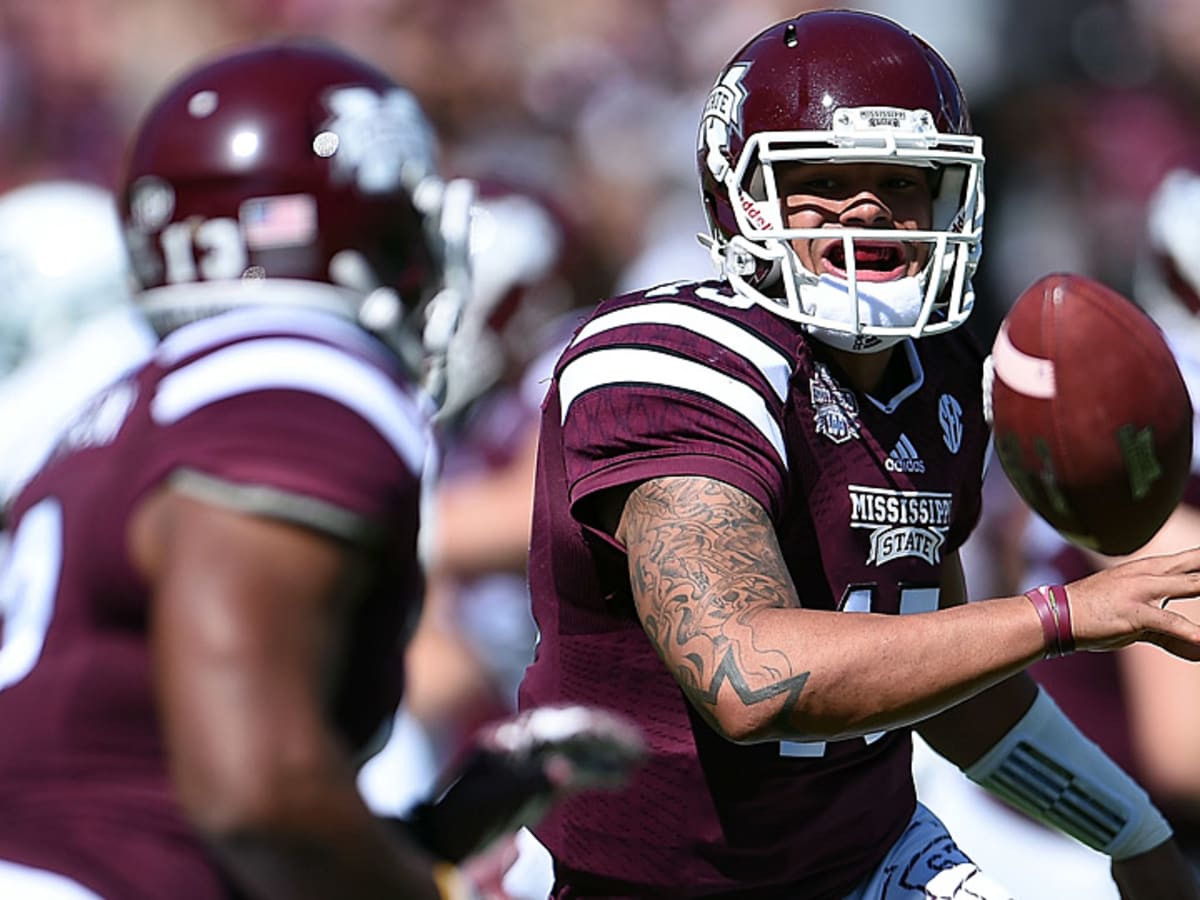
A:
(293, 173)
(840, 86)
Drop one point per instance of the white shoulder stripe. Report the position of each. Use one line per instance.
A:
(299, 365)
(624, 365)
(770, 362)
(251, 321)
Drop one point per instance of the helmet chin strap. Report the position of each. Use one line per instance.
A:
(896, 303)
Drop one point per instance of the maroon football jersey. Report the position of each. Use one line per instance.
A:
(867, 495)
(286, 414)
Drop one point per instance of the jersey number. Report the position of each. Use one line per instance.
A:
(28, 586)
(861, 599)
(214, 246)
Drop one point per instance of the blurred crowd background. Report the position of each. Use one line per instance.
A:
(1083, 105)
(592, 106)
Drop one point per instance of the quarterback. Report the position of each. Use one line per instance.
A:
(751, 492)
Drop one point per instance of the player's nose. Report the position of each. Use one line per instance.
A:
(865, 210)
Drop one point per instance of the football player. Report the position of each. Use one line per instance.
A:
(750, 496)
(212, 577)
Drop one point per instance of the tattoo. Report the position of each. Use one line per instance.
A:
(704, 564)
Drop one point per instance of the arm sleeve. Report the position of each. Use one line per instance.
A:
(649, 414)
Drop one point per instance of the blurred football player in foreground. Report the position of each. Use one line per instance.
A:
(750, 497)
(212, 578)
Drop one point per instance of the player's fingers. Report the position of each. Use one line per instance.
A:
(1174, 586)
(1176, 634)
(1182, 561)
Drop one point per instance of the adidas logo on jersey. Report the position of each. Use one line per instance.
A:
(904, 457)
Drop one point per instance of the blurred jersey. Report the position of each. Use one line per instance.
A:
(288, 414)
(867, 497)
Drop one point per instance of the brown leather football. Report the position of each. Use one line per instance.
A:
(1091, 416)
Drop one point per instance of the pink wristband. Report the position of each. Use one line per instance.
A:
(1040, 599)
(1062, 610)
(1054, 612)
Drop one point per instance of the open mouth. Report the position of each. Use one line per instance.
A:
(873, 260)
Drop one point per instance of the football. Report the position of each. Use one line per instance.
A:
(1090, 414)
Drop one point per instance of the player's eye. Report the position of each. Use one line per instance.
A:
(817, 184)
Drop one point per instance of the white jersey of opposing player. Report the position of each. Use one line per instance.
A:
(66, 323)
(41, 396)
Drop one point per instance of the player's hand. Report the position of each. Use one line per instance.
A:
(1158, 874)
(1130, 602)
(517, 768)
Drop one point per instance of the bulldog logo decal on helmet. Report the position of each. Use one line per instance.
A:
(722, 115)
(382, 141)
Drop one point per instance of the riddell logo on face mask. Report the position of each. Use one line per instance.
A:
(750, 208)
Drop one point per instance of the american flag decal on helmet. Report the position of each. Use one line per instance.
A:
(287, 221)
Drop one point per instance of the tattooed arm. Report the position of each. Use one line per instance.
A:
(715, 598)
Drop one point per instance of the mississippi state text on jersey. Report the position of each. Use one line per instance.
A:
(867, 495)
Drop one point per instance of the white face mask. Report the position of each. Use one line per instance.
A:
(897, 303)
(756, 255)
